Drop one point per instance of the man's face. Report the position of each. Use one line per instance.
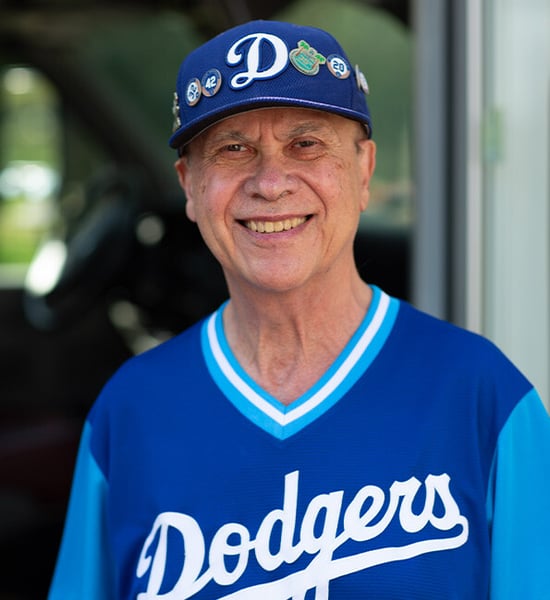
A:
(277, 194)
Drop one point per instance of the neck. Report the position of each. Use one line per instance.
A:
(287, 341)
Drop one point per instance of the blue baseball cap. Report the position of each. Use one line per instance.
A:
(266, 64)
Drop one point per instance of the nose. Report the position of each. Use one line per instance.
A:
(271, 179)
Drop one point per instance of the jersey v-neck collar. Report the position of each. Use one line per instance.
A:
(265, 411)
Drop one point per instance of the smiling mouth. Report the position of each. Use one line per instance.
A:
(274, 226)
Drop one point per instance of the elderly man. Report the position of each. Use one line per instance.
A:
(314, 437)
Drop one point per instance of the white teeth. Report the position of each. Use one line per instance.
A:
(274, 226)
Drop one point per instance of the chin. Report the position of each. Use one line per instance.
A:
(283, 284)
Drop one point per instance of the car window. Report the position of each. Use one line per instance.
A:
(30, 165)
(105, 104)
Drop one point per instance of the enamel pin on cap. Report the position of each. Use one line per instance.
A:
(306, 59)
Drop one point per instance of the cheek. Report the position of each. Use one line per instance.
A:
(209, 206)
(339, 186)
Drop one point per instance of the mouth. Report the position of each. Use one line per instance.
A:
(274, 226)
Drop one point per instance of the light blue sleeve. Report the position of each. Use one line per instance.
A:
(84, 569)
(519, 505)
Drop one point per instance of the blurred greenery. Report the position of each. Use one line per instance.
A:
(18, 241)
(29, 128)
(30, 134)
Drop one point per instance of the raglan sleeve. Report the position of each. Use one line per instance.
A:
(84, 568)
(518, 504)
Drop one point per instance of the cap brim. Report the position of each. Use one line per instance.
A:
(185, 134)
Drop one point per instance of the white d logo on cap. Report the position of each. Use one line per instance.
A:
(252, 59)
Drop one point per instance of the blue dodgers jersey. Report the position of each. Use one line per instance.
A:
(380, 482)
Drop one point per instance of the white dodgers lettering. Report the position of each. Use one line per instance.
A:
(254, 58)
(366, 517)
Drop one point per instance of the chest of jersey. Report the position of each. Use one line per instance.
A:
(374, 488)
(374, 495)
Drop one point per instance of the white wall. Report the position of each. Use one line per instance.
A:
(515, 155)
(482, 159)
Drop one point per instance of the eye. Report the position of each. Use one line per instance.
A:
(233, 151)
(307, 148)
(234, 148)
(305, 143)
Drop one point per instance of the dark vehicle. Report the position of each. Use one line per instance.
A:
(97, 258)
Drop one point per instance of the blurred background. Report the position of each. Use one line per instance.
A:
(98, 261)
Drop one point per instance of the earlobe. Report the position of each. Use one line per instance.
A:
(183, 177)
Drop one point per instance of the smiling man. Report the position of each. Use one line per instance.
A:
(314, 437)
(277, 195)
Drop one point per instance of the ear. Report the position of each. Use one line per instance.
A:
(367, 162)
(184, 178)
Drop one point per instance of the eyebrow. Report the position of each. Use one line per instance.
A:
(307, 127)
(295, 131)
(223, 136)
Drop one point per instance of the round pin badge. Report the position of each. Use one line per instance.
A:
(211, 82)
(338, 66)
(193, 92)
(361, 80)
